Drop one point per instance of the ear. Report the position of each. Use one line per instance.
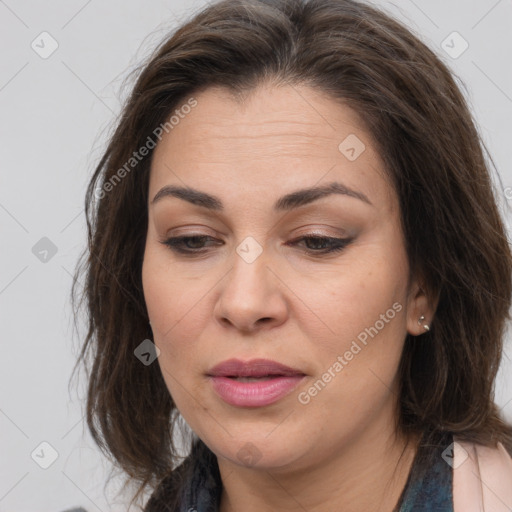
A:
(420, 304)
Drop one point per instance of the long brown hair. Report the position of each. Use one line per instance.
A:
(426, 136)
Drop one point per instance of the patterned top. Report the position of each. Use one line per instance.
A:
(429, 485)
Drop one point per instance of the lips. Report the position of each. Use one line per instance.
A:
(253, 368)
(254, 383)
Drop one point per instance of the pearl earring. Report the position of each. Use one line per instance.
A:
(425, 326)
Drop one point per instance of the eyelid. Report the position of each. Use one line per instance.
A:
(296, 236)
(339, 233)
(335, 245)
(305, 230)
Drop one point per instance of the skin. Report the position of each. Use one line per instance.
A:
(298, 308)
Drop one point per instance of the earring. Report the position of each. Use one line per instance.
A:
(425, 326)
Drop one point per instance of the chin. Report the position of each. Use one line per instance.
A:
(256, 451)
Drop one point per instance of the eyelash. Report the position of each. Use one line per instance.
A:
(336, 244)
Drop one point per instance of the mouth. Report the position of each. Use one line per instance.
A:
(254, 383)
(253, 369)
(254, 379)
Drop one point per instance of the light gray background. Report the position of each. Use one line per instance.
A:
(55, 116)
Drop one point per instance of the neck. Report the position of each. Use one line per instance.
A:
(369, 475)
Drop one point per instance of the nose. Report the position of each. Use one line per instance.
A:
(251, 296)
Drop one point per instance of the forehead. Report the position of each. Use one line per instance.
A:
(288, 115)
(274, 140)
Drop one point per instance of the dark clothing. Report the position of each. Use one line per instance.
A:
(429, 485)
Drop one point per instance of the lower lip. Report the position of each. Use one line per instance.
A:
(254, 394)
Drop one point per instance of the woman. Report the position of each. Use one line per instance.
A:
(296, 210)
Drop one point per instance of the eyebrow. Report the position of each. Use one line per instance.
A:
(287, 202)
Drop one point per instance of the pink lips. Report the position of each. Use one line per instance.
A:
(274, 381)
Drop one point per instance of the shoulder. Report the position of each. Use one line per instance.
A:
(166, 495)
(163, 498)
(482, 477)
(196, 481)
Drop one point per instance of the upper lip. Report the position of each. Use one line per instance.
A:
(252, 368)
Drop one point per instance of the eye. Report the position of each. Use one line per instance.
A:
(323, 244)
(190, 244)
(194, 244)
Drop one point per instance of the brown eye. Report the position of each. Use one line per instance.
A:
(187, 244)
(195, 244)
(322, 244)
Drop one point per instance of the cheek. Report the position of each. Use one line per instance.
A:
(366, 296)
(173, 302)
(364, 306)
(358, 365)
(177, 318)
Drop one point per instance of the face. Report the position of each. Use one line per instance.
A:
(246, 268)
